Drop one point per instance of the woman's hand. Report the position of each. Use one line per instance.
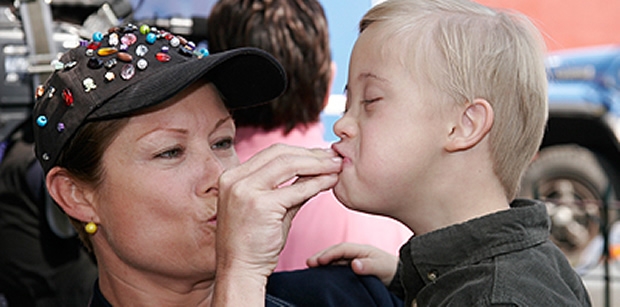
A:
(364, 260)
(257, 201)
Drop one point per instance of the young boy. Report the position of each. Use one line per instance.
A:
(446, 106)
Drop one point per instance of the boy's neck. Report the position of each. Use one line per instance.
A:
(467, 189)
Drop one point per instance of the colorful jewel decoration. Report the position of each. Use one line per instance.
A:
(57, 65)
(109, 76)
(145, 29)
(163, 57)
(67, 96)
(41, 121)
(70, 65)
(60, 127)
(94, 63)
(129, 39)
(89, 84)
(129, 28)
(45, 156)
(51, 92)
(89, 52)
(110, 63)
(165, 49)
(186, 52)
(97, 36)
(106, 51)
(202, 52)
(40, 91)
(175, 42)
(113, 39)
(124, 57)
(127, 72)
(94, 45)
(151, 38)
(142, 64)
(142, 50)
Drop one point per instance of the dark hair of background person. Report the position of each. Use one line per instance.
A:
(293, 31)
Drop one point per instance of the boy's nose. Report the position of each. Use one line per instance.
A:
(344, 127)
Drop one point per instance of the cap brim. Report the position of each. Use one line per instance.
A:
(244, 77)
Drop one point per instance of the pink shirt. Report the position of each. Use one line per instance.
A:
(323, 221)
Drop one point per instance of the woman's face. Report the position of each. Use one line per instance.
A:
(156, 207)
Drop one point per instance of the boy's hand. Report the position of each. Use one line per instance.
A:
(364, 259)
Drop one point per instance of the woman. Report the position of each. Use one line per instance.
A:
(133, 132)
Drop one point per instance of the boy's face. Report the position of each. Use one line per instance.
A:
(391, 135)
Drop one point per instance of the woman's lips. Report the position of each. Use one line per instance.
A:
(213, 219)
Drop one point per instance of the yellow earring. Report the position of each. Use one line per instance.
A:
(90, 228)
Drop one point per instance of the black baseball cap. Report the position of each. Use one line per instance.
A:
(130, 68)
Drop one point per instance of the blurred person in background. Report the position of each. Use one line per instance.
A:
(42, 261)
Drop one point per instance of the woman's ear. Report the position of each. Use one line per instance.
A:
(474, 123)
(74, 198)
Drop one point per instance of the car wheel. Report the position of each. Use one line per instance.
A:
(573, 182)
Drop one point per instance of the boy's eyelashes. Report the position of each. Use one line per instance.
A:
(371, 100)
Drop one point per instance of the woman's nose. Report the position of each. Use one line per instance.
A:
(211, 170)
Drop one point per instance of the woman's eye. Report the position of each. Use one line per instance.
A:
(171, 153)
(223, 144)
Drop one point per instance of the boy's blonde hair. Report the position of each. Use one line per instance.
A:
(463, 50)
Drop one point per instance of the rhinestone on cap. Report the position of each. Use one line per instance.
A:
(40, 91)
(141, 50)
(145, 29)
(106, 51)
(58, 65)
(163, 57)
(41, 121)
(142, 64)
(67, 96)
(129, 39)
(124, 57)
(110, 63)
(113, 39)
(94, 63)
(51, 92)
(97, 36)
(127, 72)
(151, 38)
(109, 76)
(89, 84)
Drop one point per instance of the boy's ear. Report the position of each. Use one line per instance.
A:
(474, 123)
(74, 199)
